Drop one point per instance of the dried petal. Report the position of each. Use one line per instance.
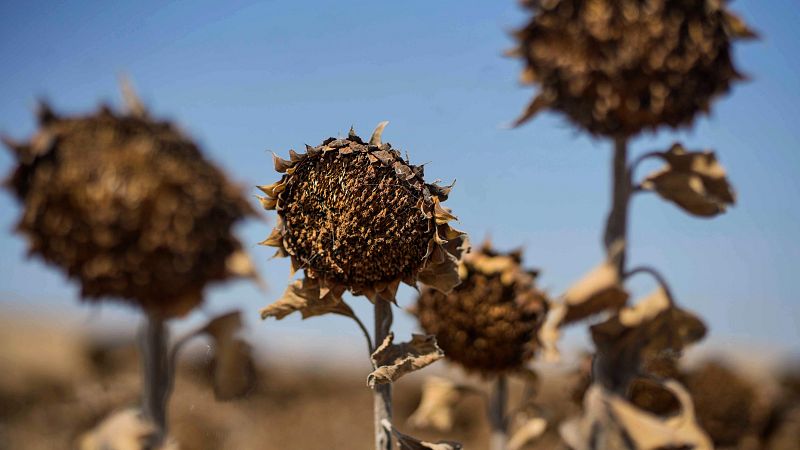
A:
(133, 104)
(375, 139)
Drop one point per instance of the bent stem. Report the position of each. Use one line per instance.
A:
(382, 395)
(497, 413)
(153, 338)
(656, 275)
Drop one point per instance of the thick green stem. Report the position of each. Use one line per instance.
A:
(382, 395)
(497, 413)
(153, 339)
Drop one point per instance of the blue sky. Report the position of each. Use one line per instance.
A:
(246, 78)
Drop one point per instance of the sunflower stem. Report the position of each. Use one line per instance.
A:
(497, 413)
(382, 395)
(616, 233)
(153, 338)
(615, 240)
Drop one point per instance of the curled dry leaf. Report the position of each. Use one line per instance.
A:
(695, 181)
(611, 422)
(232, 365)
(309, 298)
(653, 328)
(406, 442)
(435, 410)
(392, 361)
(529, 431)
(550, 332)
(599, 290)
(123, 430)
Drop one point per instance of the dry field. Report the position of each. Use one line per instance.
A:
(51, 396)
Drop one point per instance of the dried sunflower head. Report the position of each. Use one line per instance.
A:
(617, 67)
(355, 216)
(489, 323)
(725, 402)
(127, 206)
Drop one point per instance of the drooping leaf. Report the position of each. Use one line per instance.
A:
(232, 365)
(406, 442)
(392, 361)
(435, 410)
(653, 328)
(123, 430)
(550, 332)
(599, 290)
(695, 181)
(441, 270)
(309, 298)
(611, 422)
(526, 433)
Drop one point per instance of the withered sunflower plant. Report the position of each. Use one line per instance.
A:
(616, 68)
(488, 325)
(353, 215)
(129, 208)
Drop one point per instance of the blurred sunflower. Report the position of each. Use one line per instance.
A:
(489, 322)
(127, 206)
(617, 67)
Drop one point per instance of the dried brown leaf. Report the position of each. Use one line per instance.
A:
(123, 430)
(232, 365)
(406, 442)
(526, 433)
(550, 332)
(599, 290)
(310, 299)
(441, 268)
(392, 361)
(435, 410)
(611, 422)
(695, 181)
(654, 328)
